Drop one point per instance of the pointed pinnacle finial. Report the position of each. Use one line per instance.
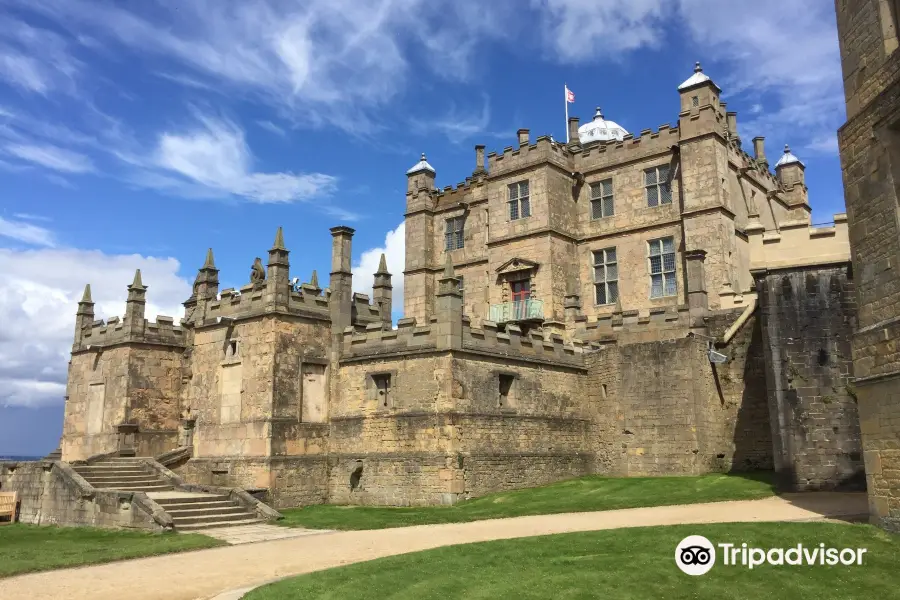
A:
(210, 262)
(448, 266)
(137, 283)
(382, 265)
(86, 297)
(279, 240)
(314, 280)
(697, 67)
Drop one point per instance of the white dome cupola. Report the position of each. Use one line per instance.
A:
(600, 130)
(788, 158)
(421, 166)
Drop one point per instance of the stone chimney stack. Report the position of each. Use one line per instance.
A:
(573, 130)
(340, 302)
(382, 292)
(479, 159)
(523, 137)
(135, 305)
(732, 126)
(759, 151)
(278, 272)
(85, 315)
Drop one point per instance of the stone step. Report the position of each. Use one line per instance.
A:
(166, 502)
(223, 523)
(110, 468)
(182, 506)
(136, 488)
(123, 478)
(205, 510)
(128, 482)
(237, 515)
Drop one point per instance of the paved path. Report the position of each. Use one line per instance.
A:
(258, 532)
(208, 573)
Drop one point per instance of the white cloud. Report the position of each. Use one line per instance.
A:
(590, 30)
(395, 255)
(459, 127)
(272, 127)
(52, 157)
(39, 292)
(215, 155)
(26, 232)
(317, 61)
(35, 59)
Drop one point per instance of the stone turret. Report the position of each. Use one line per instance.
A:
(418, 282)
(84, 318)
(340, 302)
(278, 273)
(699, 105)
(135, 305)
(382, 291)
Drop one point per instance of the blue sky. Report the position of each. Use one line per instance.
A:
(137, 134)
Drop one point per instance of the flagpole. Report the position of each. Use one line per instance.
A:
(566, 100)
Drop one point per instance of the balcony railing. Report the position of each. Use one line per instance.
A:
(524, 310)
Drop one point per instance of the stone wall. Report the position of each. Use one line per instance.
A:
(51, 493)
(661, 408)
(807, 321)
(870, 160)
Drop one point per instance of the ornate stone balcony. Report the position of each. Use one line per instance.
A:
(512, 312)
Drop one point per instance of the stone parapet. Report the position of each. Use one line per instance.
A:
(375, 340)
(114, 331)
(797, 244)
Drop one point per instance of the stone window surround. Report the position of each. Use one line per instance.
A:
(600, 199)
(372, 387)
(496, 375)
(607, 281)
(666, 274)
(454, 233)
(659, 185)
(519, 203)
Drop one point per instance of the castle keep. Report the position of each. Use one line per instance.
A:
(567, 308)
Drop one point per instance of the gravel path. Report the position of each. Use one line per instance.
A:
(205, 574)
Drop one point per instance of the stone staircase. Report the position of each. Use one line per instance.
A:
(122, 475)
(190, 511)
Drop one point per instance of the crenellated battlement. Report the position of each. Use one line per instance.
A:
(376, 340)
(796, 243)
(163, 331)
(648, 143)
(544, 149)
(633, 325)
(536, 344)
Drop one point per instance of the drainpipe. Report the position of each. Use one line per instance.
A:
(740, 322)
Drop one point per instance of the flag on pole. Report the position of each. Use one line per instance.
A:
(570, 95)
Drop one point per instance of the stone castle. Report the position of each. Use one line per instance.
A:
(567, 310)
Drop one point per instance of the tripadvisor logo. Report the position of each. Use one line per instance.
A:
(696, 555)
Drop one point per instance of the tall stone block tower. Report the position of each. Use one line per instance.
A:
(870, 159)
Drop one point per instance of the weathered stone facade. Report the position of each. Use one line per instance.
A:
(870, 159)
(312, 396)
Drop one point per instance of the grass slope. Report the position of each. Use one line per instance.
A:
(625, 564)
(575, 495)
(29, 548)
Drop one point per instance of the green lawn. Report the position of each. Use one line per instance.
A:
(28, 548)
(574, 495)
(624, 564)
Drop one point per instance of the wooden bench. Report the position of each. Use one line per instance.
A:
(8, 501)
